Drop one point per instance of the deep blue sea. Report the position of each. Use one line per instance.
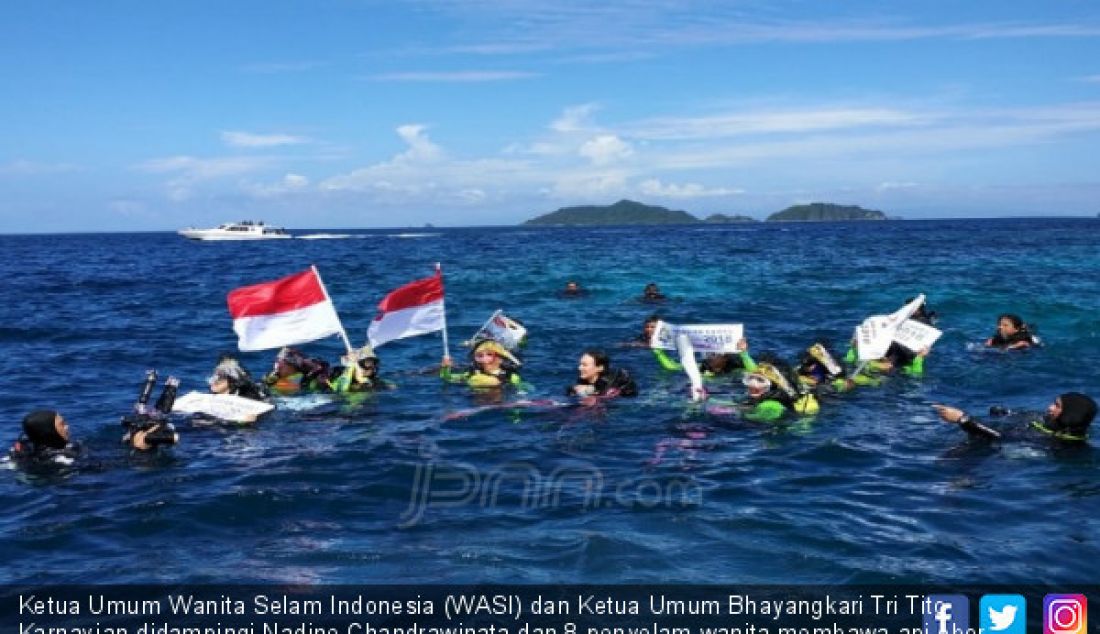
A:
(393, 488)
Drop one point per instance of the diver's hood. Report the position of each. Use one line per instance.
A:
(40, 429)
(1078, 410)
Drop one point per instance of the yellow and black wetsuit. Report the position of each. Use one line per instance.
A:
(475, 377)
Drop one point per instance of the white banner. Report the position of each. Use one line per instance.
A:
(874, 335)
(705, 338)
(916, 335)
(224, 406)
(502, 329)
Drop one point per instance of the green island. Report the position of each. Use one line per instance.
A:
(624, 212)
(825, 212)
(629, 212)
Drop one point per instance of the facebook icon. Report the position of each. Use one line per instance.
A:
(946, 614)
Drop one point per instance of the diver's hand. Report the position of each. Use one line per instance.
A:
(583, 390)
(137, 441)
(949, 414)
(923, 352)
(447, 362)
(742, 345)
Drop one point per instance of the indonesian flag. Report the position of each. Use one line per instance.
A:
(413, 309)
(288, 311)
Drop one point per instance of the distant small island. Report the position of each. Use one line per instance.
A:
(825, 212)
(629, 212)
(624, 212)
(726, 219)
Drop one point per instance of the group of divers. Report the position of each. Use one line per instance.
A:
(774, 389)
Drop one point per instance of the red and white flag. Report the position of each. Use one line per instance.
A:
(413, 309)
(288, 311)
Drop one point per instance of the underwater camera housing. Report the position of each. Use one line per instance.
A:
(153, 423)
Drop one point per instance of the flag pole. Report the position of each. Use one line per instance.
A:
(343, 333)
(446, 346)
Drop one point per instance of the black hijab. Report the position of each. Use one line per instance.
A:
(1078, 411)
(40, 429)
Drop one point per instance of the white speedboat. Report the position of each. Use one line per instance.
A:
(244, 230)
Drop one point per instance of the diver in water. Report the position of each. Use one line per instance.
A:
(359, 373)
(45, 440)
(1067, 419)
(714, 364)
(295, 372)
(573, 290)
(1012, 334)
(651, 293)
(770, 395)
(644, 337)
(493, 367)
(595, 377)
(898, 357)
(148, 428)
(819, 371)
(229, 377)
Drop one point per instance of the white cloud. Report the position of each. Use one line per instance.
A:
(290, 183)
(605, 149)
(425, 172)
(472, 196)
(189, 171)
(1090, 79)
(251, 140)
(128, 208)
(772, 122)
(589, 185)
(204, 169)
(891, 185)
(568, 26)
(468, 76)
(23, 167)
(575, 118)
(575, 158)
(421, 148)
(654, 187)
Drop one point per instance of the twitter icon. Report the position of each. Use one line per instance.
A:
(1003, 614)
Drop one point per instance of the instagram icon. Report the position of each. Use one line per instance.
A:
(1065, 614)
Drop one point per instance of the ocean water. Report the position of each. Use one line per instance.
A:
(412, 486)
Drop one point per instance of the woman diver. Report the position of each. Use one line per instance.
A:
(595, 377)
(45, 440)
(1012, 334)
(360, 373)
(1067, 419)
(493, 367)
(229, 377)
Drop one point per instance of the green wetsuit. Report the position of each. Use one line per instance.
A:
(476, 378)
(913, 368)
(346, 383)
(668, 363)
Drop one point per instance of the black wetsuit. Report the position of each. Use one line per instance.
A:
(619, 380)
(1021, 335)
(1078, 411)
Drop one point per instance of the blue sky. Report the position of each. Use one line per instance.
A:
(127, 115)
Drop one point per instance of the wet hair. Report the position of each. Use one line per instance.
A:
(1013, 318)
(40, 428)
(600, 358)
(923, 314)
(652, 319)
